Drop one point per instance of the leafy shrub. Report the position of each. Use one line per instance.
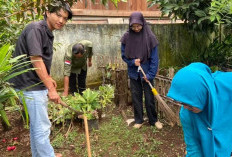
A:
(106, 95)
(8, 95)
(195, 12)
(221, 12)
(219, 53)
(87, 103)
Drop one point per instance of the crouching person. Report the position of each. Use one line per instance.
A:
(75, 66)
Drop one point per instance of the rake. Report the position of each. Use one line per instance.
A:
(81, 115)
(163, 106)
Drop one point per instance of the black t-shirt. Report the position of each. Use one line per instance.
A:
(35, 40)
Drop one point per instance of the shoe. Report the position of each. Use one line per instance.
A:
(130, 121)
(158, 125)
(58, 155)
(137, 126)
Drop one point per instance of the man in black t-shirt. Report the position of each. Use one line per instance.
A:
(36, 41)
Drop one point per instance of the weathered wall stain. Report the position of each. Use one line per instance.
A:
(177, 45)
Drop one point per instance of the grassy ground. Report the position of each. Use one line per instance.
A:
(113, 139)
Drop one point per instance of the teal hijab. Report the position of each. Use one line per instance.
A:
(197, 86)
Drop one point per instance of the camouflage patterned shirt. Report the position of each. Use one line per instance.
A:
(73, 64)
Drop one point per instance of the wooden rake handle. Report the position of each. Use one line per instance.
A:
(87, 136)
(86, 125)
(70, 108)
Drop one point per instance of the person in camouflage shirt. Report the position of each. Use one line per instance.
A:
(75, 66)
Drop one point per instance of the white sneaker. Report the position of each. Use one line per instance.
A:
(137, 126)
(129, 121)
(159, 125)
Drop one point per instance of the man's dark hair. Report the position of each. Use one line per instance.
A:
(78, 48)
(57, 5)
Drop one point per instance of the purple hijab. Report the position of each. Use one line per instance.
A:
(139, 44)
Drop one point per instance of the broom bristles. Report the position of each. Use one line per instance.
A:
(166, 109)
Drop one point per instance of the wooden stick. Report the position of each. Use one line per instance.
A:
(69, 128)
(87, 135)
(70, 108)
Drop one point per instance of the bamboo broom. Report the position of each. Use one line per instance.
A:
(163, 106)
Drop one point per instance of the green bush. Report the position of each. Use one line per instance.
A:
(8, 95)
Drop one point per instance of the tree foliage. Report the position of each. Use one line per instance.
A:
(10, 23)
(221, 12)
(204, 15)
(195, 13)
(219, 53)
(15, 14)
(199, 14)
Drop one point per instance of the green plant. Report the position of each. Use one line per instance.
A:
(8, 95)
(106, 94)
(58, 141)
(115, 138)
(15, 14)
(107, 75)
(204, 15)
(221, 11)
(59, 114)
(87, 103)
(219, 53)
(193, 12)
(22, 9)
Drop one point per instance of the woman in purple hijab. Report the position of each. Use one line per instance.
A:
(139, 48)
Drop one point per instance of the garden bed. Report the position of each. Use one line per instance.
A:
(114, 138)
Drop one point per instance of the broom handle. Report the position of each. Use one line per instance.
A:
(154, 90)
(140, 68)
(87, 136)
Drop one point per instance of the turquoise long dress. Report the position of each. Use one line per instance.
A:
(208, 133)
(193, 147)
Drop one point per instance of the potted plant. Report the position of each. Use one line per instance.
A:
(88, 103)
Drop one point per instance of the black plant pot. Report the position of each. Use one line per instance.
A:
(92, 124)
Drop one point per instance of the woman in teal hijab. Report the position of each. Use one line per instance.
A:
(206, 114)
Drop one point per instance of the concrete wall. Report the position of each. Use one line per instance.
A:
(177, 45)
